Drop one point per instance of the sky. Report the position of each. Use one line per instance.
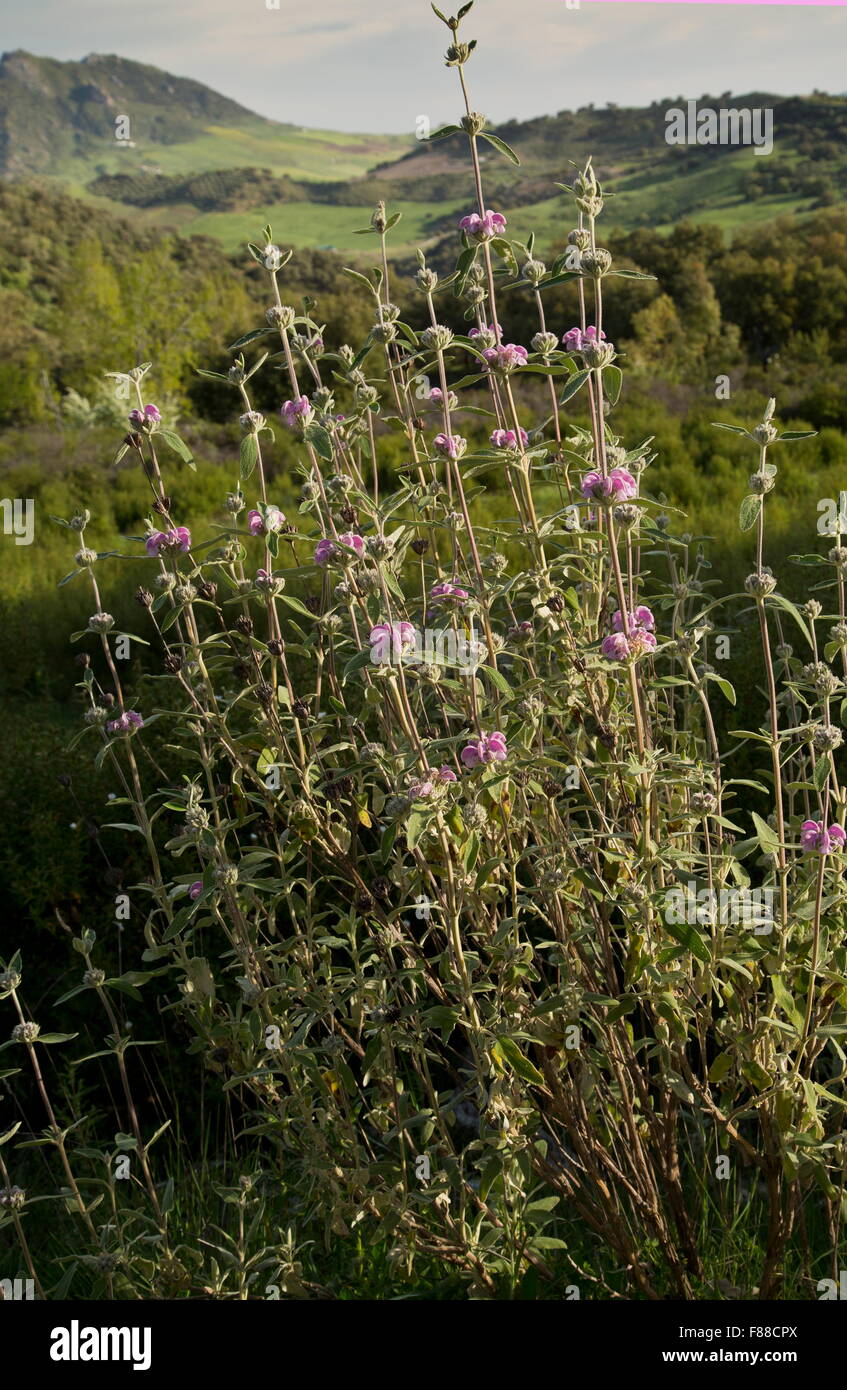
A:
(376, 65)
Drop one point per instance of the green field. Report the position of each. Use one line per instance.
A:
(300, 153)
(299, 224)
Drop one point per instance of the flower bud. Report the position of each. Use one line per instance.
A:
(533, 271)
(760, 483)
(765, 433)
(25, 1032)
(438, 338)
(761, 584)
(596, 262)
(281, 316)
(597, 354)
(426, 280)
(473, 122)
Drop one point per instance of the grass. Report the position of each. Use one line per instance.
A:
(711, 195)
(301, 224)
(298, 151)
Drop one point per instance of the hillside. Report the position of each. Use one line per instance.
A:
(200, 164)
(58, 119)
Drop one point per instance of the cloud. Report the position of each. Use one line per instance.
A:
(377, 66)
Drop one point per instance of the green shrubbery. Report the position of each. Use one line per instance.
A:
(516, 956)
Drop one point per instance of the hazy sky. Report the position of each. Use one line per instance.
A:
(376, 64)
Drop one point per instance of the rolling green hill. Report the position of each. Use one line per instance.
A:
(198, 163)
(59, 120)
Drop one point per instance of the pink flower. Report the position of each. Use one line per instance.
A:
(327, 550)
(149, 416)
(178, 538)
(491, 748)
(390, 641)
(575, 340)
(447, 591)
(195, 890)
(616, 486)
(452, 446)
(640, 617)
(483, 228)
(433, 779)
(641, 641)
(419, 791)
(620, 646)
(493, 328)
(615, 647)
(297, 412)
(125, 723)
(815, 837)
(507, 439)
(506, 357)
(258, 525)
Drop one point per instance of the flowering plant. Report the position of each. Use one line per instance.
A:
(424, 912)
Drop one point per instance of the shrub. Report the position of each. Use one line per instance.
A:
(448, 874)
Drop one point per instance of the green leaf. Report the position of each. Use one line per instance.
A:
(521, 1065)
(690, 938)
(248, 338)
(721, 1067)
(296, 604)
(725, 686)
(768, 838)
(748, 513)
(415, 826)
(356, 275)
(501, 146)
(320, 441)
(576, 382)
(178, 445)
(789, 607)
(733, 429)
(249, 456)
(612, 382)
(497, 679)
(791, 435)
